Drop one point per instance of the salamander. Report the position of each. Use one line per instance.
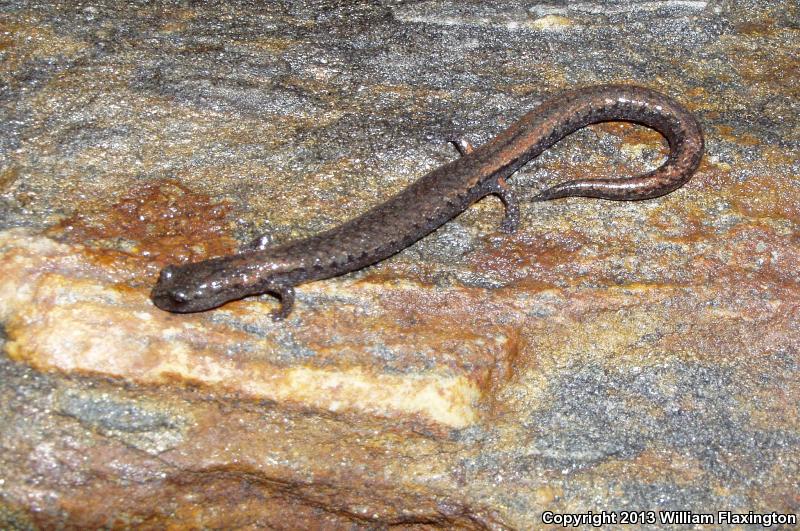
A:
(439, 196)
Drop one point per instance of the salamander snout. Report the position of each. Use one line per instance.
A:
(179, 289)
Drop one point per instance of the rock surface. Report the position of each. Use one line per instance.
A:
(607, 356)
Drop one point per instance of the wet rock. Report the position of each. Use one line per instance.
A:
(607, 356)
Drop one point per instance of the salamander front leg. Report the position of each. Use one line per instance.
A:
(259, 244)
(511, 221)
(286, 296)
(462, 145)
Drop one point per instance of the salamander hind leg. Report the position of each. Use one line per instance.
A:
(286, 296)
(511, 221)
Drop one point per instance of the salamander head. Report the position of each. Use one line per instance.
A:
(205, 285)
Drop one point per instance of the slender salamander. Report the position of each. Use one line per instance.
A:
(439, 196)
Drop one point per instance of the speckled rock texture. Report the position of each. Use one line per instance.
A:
(606, 356)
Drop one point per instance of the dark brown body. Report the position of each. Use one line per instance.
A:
(441, 195)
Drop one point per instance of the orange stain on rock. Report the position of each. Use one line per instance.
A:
(765, 196)
(519, 254)
(732, 135)
(634, 134)
(159, 222)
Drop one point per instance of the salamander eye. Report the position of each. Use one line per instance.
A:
(167, 273)
(179, 296)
